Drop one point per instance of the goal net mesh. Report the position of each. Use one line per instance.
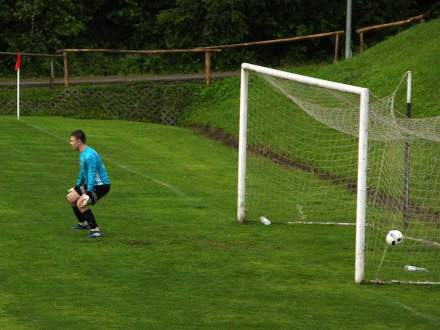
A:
(302, 156)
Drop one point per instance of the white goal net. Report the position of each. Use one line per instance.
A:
(319, 152)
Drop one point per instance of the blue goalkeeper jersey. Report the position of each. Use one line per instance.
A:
(92, 171)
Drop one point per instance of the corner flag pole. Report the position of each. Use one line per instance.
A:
(17, 68)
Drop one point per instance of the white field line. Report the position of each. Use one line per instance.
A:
(411, 310)
(125, 168)
(415, 312)
(129, 170)
(322, 223)
(390, 282)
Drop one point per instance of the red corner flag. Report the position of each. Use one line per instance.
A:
(18, 63)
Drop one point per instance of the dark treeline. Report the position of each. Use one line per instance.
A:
(47, 25)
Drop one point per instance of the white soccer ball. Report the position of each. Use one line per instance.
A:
(394, 237)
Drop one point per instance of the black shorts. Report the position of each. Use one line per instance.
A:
(98, 192)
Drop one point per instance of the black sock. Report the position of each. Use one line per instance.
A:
(90, 218)
(78, 214)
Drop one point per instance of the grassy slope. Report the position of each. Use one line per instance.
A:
(379, 68)
(172, 256)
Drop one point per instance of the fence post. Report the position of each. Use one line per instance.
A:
(66, 70)
(52, 72)
(208, 67)
(336, 47)
(361, 42)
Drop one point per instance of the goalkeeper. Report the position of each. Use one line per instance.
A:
(93, 183)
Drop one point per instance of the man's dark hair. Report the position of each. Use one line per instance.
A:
(79, 134)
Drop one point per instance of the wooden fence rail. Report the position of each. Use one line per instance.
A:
(206, 51)
(30, 54)
(51, 58)
(410, 20)
(335, 34)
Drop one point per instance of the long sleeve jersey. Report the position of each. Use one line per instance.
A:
(92, 170)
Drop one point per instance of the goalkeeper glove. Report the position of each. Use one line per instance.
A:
(69, 191)
(87, 200)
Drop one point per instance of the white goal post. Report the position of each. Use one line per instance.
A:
(363, 93)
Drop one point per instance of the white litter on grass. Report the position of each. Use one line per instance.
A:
(265, 221)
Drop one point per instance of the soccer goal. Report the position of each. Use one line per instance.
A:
(313, 151)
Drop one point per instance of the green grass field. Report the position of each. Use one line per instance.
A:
(173, 256)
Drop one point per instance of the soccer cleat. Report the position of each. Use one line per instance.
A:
(81, 227)
(94, 234)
